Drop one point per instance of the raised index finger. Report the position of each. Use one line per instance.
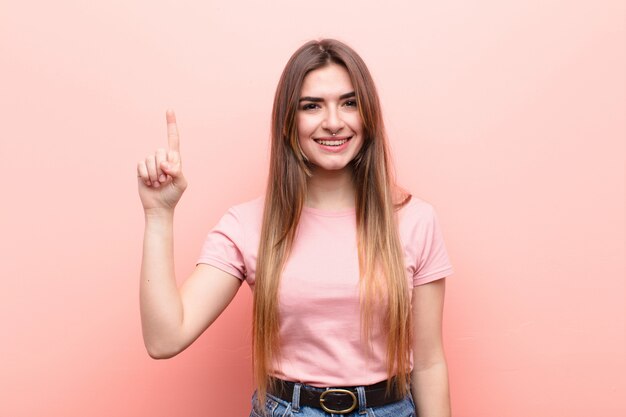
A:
(172, 131)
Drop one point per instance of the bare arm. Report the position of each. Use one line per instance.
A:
(429, 379)
(172, 318)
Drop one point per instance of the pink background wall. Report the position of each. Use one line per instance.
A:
(509, 118)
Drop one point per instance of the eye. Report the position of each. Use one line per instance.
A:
(310, 106)
(350, 103)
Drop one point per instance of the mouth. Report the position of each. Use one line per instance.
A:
(333, 141)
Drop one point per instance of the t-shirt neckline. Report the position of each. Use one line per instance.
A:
(329, 213)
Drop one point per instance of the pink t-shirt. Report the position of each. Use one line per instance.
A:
(320, 328)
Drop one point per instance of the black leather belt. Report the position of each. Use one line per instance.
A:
(340, 400)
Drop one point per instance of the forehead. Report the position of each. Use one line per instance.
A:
(332, 79)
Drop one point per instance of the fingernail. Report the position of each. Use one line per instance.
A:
(162, 178)
(156, 184)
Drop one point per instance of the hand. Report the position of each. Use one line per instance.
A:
(160, 176)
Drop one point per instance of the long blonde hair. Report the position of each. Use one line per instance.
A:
(381, 260)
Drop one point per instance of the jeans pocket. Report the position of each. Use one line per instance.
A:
(402, 408)
(272, 407)
(412, 401)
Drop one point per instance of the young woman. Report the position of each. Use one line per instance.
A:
(347, 269)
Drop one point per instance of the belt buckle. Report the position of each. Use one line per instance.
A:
(338, 391)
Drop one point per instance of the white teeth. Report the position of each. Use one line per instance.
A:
(332, 142)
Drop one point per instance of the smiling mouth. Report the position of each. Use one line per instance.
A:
(332, 141)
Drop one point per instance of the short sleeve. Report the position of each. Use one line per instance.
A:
(223, 246)
(433, 262)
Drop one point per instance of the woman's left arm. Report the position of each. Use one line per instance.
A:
(429, 379)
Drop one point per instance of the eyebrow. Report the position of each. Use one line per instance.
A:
(319, 99)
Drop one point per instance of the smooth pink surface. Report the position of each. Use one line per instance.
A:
(507, 116)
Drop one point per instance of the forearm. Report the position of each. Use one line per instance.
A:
(429, 386)
(160, 302)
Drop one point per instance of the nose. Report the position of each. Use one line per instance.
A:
(332, 121)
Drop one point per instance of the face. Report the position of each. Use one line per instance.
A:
(330, 130)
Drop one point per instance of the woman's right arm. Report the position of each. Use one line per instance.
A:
(173, 318)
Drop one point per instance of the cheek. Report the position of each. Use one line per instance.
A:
(353, 121)
(304, 133)
(305, 127)
(359, 146)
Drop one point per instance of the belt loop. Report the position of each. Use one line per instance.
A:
(295, 399)
(362, 402)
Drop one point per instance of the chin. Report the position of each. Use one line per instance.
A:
(334, 167)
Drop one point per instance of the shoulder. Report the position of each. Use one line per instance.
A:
(416, 211)
(239, 223)
(248, 214)
(250, 208)
(417, 221)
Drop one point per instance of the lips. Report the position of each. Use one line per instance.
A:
(332, 140)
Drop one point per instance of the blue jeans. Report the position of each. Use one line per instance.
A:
(276, 407)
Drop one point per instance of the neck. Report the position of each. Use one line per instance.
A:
(330, 190)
